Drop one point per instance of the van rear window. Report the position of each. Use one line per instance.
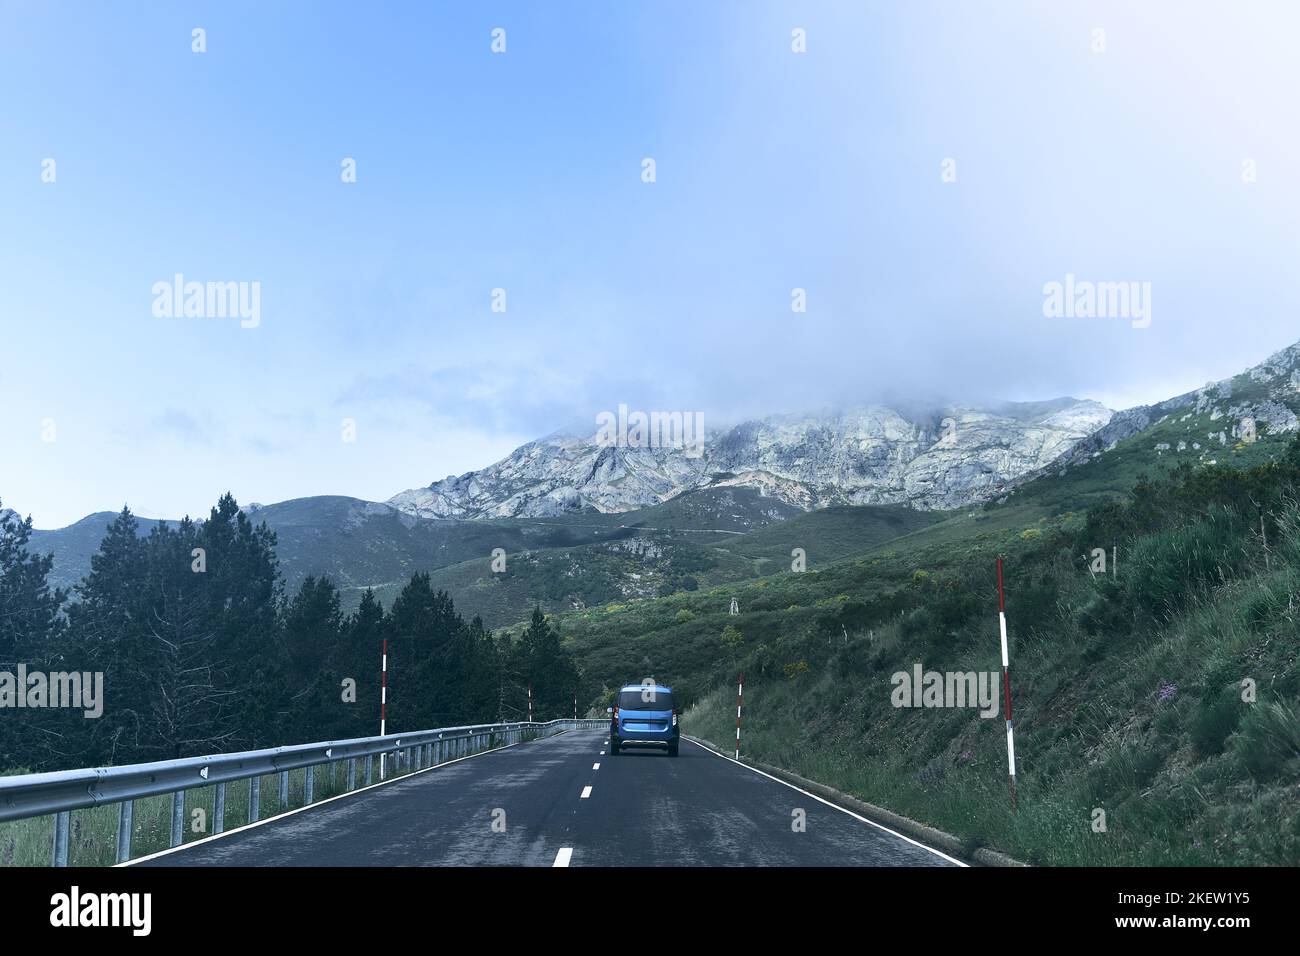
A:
(647, 698)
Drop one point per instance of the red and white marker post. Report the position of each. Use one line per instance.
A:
(575, 706)
(1006, 688)
(740, 699)
(383, 702)
(530, 702)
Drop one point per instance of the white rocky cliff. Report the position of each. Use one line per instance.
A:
(872, 455)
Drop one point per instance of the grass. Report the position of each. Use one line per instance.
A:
(1144, 723)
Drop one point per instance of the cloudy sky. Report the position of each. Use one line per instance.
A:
(1114, 156)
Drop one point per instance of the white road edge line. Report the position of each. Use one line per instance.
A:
(563, 857)
(318, 803)
(856, 816)
(586, 792)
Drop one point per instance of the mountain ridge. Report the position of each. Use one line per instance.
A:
(873, 454)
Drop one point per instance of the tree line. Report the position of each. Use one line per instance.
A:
(203, 651)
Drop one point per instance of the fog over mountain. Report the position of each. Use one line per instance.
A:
(868, 455)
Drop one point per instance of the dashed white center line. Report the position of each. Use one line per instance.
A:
(586, 792)
(595, 766)
(602, 753)
(564, 856)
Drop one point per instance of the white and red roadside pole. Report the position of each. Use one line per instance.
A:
(1006, 688)
(383, 702)
(575, 706)
(530, 702)
(740, 699)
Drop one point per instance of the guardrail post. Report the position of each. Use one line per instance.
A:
(219, 810)
(125, 812)
(409, 752)
(368, 770)
(284, 789)
(254, 799)
(62, 821)
(310, 785)
(352, 773)
(178, 817)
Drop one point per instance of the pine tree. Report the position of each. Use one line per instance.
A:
(29, 608)
(313, 636)
(426, 658)
(244, 577)
(192, 703)
(107, 634)
(548, 667)
(31, 632)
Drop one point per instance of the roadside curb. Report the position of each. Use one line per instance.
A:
(917, 831)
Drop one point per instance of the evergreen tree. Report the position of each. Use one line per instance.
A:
(548, 667)
(312, 629)
(29, 608)
(187, 678)
(104, 636)
(31, 632)
(359, 659)
(244, 577)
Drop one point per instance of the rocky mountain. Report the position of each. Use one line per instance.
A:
(872, 455)
(1203, 425)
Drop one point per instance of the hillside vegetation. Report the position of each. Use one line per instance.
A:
(1128, 683)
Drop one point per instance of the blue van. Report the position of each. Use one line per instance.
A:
(644, 714)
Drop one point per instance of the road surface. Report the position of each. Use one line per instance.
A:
(562, 801)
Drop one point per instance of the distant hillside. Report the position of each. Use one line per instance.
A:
(560, 563)
(1239, 421)
(678, 547)
(357, 543)
(72, 546)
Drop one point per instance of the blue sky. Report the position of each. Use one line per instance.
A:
(522, 171)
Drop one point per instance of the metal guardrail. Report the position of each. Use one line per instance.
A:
(61, 792)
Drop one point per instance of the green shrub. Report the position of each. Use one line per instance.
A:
(1269, 739)
(1214, 719)
(1166, 570)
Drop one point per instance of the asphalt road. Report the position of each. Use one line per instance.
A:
(643, 808)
